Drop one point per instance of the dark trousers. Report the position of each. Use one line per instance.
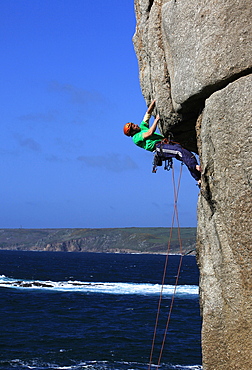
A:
(174, 150)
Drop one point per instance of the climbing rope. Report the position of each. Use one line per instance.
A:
(175, 215)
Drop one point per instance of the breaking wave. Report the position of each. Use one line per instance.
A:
(99, 287)
(93, 365)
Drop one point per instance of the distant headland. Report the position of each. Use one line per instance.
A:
(105, 240)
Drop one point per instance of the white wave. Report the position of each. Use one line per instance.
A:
(98, 287)
(93, 365)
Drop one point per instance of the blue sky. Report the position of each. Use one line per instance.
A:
(69, 82)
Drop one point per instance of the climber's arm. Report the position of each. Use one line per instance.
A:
(152, 129)
(151, 107)
(147, 115)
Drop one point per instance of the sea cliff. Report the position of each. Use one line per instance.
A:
(112, 240)
(195, 59)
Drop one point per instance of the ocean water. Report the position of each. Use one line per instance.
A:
(93, 311)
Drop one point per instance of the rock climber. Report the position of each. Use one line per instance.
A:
(146, 137)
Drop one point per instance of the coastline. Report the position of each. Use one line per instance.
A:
(133, 240)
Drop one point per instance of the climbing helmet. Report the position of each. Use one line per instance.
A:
(126, 129)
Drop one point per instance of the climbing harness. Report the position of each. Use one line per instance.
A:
(163, 154)
(158, 161)
(174, 216)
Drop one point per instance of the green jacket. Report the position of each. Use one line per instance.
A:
(150, 142)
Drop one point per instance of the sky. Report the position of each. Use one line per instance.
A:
(69, 82)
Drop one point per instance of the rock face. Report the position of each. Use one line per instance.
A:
(224, 228)
(195, 59)
(207, 44)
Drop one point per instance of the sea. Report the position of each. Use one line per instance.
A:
(95, 311)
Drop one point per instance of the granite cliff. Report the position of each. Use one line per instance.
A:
(195, 59)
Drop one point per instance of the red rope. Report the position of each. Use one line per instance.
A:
(175, 214)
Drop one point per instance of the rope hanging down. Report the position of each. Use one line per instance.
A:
(175, 215)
